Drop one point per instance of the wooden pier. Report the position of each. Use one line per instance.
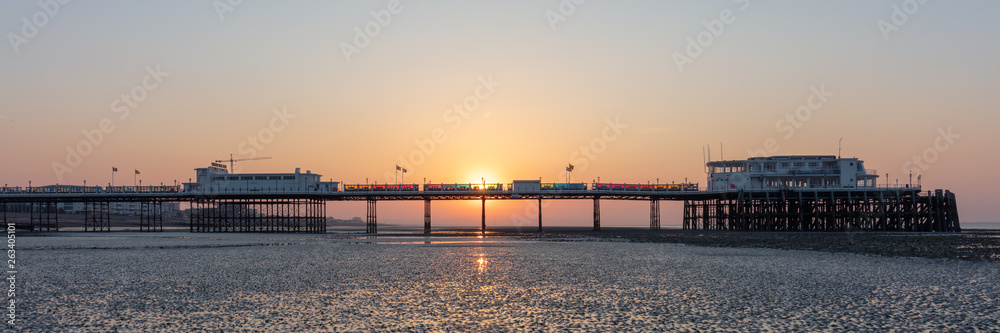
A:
(863, 209)
(299, 215)
(819, 210)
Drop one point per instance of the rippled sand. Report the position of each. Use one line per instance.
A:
(253, 282)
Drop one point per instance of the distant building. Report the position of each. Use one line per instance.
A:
(780, 172)
(171, 208)
(217, 179)
(70, 207)
(125, 208)
(353, 221)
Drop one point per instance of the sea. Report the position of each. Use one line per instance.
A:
(981, 225)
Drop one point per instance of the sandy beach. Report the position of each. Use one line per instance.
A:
(178, 281)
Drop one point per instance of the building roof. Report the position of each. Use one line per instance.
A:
(796, 157)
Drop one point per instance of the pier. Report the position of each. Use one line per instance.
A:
(781, 193)
(904, 209)
(883, 209)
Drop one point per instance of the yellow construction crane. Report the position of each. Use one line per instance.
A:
(233, 161)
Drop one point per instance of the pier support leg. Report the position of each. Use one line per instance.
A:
(372, 222)
(198, 215)
(87, 206)
(44, 220)
(484, 216)
(539, 213)
(96, 216)
(654, 214)
(158, 216)
(954, 225)
(105, 215)
(686, 223)
(427, 216)
(150, 216)
(54, 209)
(597, 213)
(144, 216)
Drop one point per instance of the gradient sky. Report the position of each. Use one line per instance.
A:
(555, 88)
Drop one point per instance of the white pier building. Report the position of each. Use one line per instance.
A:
(784, 172)
(217, 179)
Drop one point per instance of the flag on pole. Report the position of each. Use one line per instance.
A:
(570, 168)
(398, 168)
(137, 172)
(404, 170)
(114, 169)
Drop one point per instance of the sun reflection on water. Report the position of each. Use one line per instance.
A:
(481, 264)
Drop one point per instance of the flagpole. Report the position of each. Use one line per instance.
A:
(112, 177)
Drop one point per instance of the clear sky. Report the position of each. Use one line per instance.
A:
(457, 91)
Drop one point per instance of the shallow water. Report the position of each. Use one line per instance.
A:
(981, 225)
(181, 282)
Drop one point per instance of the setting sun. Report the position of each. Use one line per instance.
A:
(480, 177)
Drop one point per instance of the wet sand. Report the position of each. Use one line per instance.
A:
(178, 281)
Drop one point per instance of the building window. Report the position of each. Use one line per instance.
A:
(260, 178)
(800, 165)
(289, 177)
(274, 177)
(813, 164)
(784, 165)
(246, 178)
(234, 178)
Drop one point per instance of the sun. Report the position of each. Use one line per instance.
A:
(479, 176)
